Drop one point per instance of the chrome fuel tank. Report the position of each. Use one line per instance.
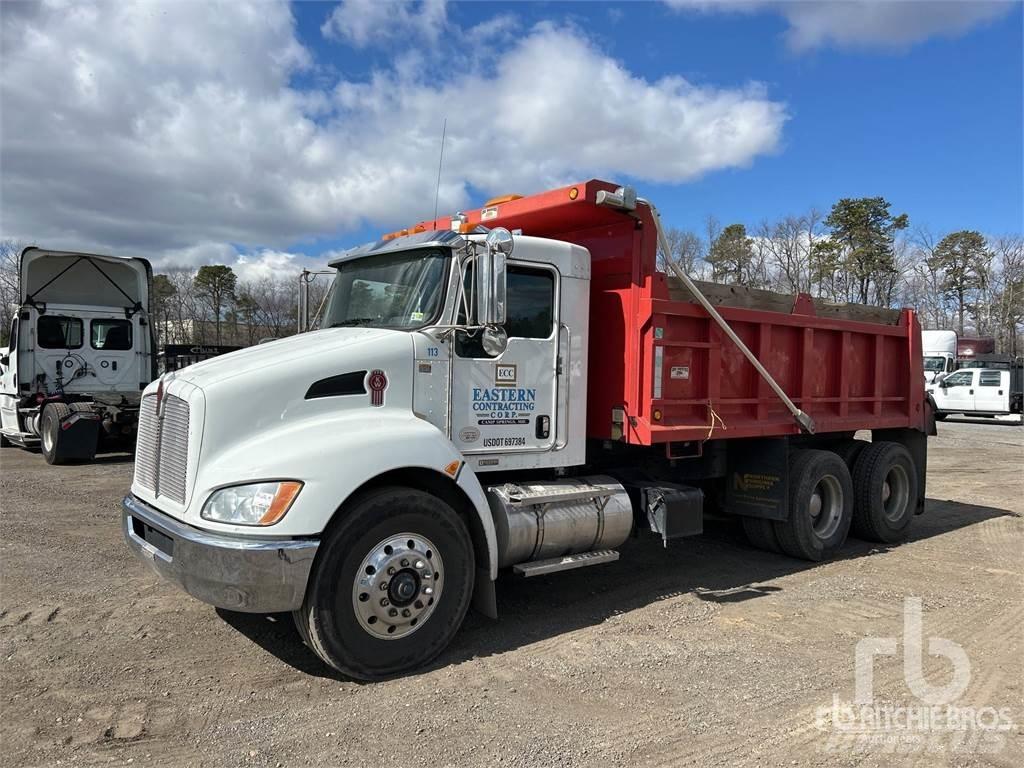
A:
(537, 521)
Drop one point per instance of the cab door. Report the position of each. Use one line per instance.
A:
(9, 382)
(955, 394)
(993, 391)
(506, 403)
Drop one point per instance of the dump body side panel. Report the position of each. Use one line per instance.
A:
(663, 365)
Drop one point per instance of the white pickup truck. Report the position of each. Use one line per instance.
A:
(976, 392)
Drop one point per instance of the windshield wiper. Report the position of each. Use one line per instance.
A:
(352, 321)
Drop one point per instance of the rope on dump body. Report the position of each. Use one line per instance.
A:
(714, 417)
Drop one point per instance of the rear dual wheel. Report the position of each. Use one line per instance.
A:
(390, 586)
(820, 506)
(885, 490)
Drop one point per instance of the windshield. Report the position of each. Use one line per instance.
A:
(402, 291)
(934, 363)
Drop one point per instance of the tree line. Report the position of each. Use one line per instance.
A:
(859, 252)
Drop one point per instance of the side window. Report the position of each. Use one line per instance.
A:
(959, 379)
(58, 332)
(991, 378)
(111, 334)
(12, 343)
(530, 309)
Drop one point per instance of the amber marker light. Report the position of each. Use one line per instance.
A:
(286, 493)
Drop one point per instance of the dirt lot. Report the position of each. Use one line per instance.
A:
(705, 653)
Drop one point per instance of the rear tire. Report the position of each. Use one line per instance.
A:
(820, 505)
(50, 432)
(761, 533)
(885, 493)
(369, 631)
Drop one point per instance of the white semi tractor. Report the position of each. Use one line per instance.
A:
(79, 355)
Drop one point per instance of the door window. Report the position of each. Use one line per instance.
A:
(959, 379)
(12, 343)
(530, 310)
(59, 332)
(990, 378)
(111, 334)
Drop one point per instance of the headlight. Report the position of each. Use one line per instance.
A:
(255, 504)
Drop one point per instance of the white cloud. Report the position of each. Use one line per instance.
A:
(175, 130)
(864, 23)
(365, 22)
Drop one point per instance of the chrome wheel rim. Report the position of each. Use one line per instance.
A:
(47, 437)
(895, 493)
(397, 586)
(826, 506)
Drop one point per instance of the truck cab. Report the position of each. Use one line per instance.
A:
(79, 355)
(940, 354)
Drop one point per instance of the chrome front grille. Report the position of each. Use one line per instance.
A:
(161, 454)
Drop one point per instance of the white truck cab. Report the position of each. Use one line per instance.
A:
(79, 355)
(939, 349)
(439, 351)
(976, 392)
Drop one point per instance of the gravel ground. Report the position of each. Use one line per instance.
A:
(708, 652)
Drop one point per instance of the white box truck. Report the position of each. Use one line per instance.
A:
(939, 349)
(79, 355)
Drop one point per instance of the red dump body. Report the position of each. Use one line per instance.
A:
(666, 366)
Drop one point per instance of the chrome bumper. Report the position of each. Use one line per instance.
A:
(233, 572)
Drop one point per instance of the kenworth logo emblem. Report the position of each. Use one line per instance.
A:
(377, 383)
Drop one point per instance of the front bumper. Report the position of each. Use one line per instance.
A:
(233, 572)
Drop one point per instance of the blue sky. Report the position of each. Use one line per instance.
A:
(265, 134)
(935, 127)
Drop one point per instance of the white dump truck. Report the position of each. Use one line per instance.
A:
(519, 400)
(939, 349)
(79, 355)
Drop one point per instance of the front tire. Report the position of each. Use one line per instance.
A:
(820, 505)
(391, 584)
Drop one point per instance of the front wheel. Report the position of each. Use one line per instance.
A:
(390, 586)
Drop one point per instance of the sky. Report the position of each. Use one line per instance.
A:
(268, 135)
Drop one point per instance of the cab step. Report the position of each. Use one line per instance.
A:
(566, 563)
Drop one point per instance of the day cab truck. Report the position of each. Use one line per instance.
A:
(517, 389)
(79, 355)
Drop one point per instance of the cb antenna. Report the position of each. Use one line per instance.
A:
(440, 163)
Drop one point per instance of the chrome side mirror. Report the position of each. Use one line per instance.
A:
(492, 278)
(493, 339)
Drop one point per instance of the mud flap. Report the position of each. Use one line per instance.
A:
(757, 481)
(79, 435)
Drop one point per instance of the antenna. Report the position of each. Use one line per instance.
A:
(440, 162)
